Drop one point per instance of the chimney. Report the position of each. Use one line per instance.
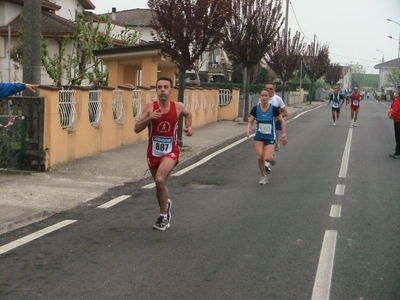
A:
(113, 13)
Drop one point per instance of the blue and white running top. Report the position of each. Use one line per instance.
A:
(336, 100)
(266, 122)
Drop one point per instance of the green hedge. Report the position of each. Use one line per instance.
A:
(255, 88)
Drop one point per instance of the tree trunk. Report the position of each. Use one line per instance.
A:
(311, 91)
(246, 83)
(32, 43)
(283, 91)
(181, 95)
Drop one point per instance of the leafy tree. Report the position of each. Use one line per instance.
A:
(258, 74)
(187, 28)
(333, 73)
(316, 62)
(357, 71)
(75, 60)
(285, 57)
(249, 34)
(390, 79)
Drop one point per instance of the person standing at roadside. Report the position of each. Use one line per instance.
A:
(336, 104)
(161, 117)
(355, 99)
(265, 137)
(394, 114)
(11, 88)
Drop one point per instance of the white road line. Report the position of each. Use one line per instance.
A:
(149, 186)
(323, 280)
(336, 211)
(346, 154)
(114, 201)
(339, 189)
(34, 236)
(202, 161)
(208, 157)
(304, 112)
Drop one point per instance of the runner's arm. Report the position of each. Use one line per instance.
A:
(250, 125)
(284, 137)
(188, 118)
(146, 117)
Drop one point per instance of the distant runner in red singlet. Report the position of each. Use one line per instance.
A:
(161, 118)
(355, 99)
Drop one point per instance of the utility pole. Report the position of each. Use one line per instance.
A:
(287, 19)
(32, 40)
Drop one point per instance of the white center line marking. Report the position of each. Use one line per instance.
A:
(346, 154)
(323, 279)
(335, 211)
(202, 161)
(339, 189)
(34, 236)
(113, 201)
(207, 158)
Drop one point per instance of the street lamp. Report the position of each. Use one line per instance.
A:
(380, 71)
(383, 55)
(398, 52)
(390, 37)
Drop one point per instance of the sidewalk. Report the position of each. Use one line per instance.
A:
(26, 198)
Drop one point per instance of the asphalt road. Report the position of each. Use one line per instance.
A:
(325, 227)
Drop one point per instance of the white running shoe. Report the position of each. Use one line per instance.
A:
(267, 166)
(263, 180)
(334, 124)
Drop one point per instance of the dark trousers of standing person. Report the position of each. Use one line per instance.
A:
(397, 136)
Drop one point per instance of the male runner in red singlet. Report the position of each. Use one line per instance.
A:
(161, 118)
(355, 99)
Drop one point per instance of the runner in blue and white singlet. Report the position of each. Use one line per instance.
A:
(265, 136)
(337, 103)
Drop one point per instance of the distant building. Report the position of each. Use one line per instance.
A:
(386, 68)
(345, 78)
(213, 66)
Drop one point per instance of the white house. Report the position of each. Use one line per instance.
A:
(385, 68)
(213, 65)
(58, 18)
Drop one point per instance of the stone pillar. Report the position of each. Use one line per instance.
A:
(149, 71)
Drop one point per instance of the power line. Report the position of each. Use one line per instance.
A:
(355, 58)
(298, 22)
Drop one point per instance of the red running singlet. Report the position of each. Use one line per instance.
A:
(163, 137)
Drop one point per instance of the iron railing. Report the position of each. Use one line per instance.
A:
(117, 106)
(95, 109)
(137, 103)
(225, 97)
(67, 107)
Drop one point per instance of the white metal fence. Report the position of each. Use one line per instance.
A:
(137, 103)
(117, 106)
(225, 97)
(95, 109)
(67, 107)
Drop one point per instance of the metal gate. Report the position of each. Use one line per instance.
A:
(13, 128)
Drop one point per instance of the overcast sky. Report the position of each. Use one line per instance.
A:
(353, 29)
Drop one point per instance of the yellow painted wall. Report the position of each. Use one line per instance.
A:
(84, 139)
(231, 111)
